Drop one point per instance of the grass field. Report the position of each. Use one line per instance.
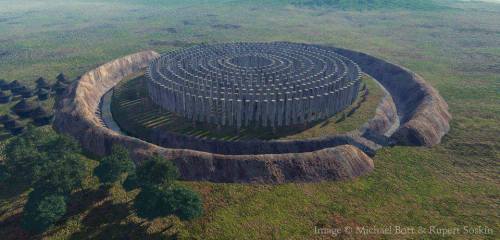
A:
(138, 116)
(456, 49)
(370, 4)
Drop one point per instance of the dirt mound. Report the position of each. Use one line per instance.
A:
(424, 116)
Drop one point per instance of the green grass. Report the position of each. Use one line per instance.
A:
(455, 49)
(138, 116)
(370, 4)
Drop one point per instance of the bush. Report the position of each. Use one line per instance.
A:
(22, 155)
(64, 175)
(45, 159)
(187, 203)
(53, 164)
(42, 211)
(61, 145)
(159, 196)
(4, 174)
(157, 171)
(113, 166)
(153, 202)
(131, 182)
(147, 203)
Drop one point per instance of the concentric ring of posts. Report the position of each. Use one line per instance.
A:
(243, 84)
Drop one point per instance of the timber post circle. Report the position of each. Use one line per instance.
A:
(254, 84)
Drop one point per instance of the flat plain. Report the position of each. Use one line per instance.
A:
(455, 48)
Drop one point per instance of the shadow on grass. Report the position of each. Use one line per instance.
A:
(10, 228)
(106, 214)
(109, 221)
(121, 231)
(80, 201)
(12, 189)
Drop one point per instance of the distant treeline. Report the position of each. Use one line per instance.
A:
(370, 4)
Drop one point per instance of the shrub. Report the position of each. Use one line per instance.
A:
(64, 175)
(157, 171)
(131, 182)
(187, 203)
(113, 166)
(42, 211)
(153, 202)
(147, 203)
(159, 196)
(43, 157)
(23, 155)
(61, 145)
(53, 164)
(4, 174)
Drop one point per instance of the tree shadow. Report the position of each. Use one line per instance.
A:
(12, 188)
(79, 201)
(107, 213)
(121, 231)
(10, 228)
(109, 221)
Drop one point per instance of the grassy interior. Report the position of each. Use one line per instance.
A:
(456, 49)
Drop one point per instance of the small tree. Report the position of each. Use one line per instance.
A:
(42, 211)
(61, 145)
(147, 203)
(4, 174)
(63, 176)
(54, 165)
(43, 157)
(153, 202)
(131, 182)
(23, 155)
(187, 203)
(157, 171)
(114, 166)
(159, 196)
(46, 159)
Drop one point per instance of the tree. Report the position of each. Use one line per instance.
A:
(147, 203)
(64, 175)
(159, 196)
(153, 202)
(131, 182)
(187, 203)
(23, 158)
(157, 171)
(61, 145)
(43, 157)
(113, 166)
(4, 174)
(53, 164)
(42, 211)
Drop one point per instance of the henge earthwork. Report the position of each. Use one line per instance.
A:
(412, 113)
